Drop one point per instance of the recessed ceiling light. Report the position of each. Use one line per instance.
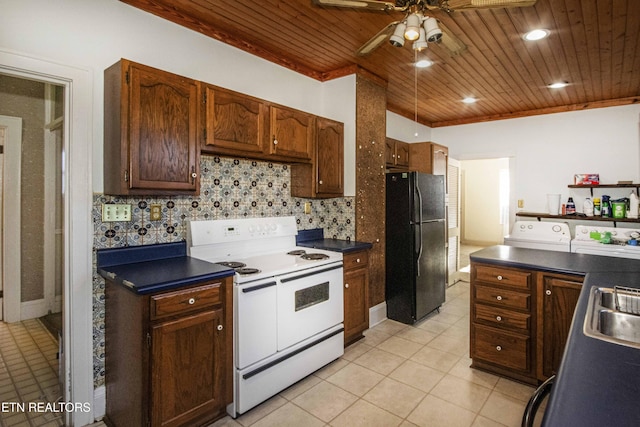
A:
(558, 85)
(424, 63)
(469, 100)
(536, 34)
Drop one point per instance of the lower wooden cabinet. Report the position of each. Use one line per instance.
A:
(356, 295)
(168, 355)
(520, 320)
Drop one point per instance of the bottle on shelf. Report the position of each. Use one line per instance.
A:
(587, 207)
(632, 211)
(596, 207)
(606, 207)
(571, 206)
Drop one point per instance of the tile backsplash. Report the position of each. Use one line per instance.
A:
(229, 188)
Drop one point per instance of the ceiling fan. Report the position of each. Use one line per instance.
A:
(418, 25)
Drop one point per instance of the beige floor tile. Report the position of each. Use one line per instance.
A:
(513, 389)
(481, 421)
(463, 370)
(223, 422)
(395, 397)
(455, 346)
(373, 337)
(261, 411)
(289, 415)
(364, 414)
(400, 347)
(406, 423)
(325, 401)
(437, 412)
(503, 409)
(461, 392)
(416, 375)
(380, 361)
(433, 325)
(416, 335)
(300, 387)
(434, 358)
(355, 379)
(356, 350)
(331, 368)
(390, 327)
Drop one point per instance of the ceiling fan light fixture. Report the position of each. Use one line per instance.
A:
(558, 85)
(537, 34)
(421, 43)
(433, 31)
(397, 38)
(412, 31)
(423, 63)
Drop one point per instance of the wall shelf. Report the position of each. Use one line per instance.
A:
(540, 215)
(592, 186)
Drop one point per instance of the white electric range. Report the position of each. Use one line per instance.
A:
(589, 240)
(550, 236)
(288, 302)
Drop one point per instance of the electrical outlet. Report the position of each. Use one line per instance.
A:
(112, 212)
(307, 207)
(155, 213)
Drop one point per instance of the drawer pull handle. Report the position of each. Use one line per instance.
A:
(499, 318)
(357, 259)
(499, 297)
(346, 285)
(499, 348)
(499, 277)
(220, 327)
(191, 301)
(548, 292)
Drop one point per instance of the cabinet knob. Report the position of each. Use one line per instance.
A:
(499, 318)
(275, 141)
(548, 292)
(499, 348)
(346, 285)
(499, 277)
(357, 259)
(191, 301)
(220, 327)
(320, 182)
(499, 297)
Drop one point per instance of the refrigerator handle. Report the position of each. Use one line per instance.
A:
(419, 228)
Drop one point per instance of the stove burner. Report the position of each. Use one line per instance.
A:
(232, 264)
(246, 270)
(297, 252)
(314, 256)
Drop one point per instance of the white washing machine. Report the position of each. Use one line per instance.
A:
(550, 236)
(588, 241)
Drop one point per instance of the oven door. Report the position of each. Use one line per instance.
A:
(309, 302)
(255, 321)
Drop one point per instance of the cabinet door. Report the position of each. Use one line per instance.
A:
(162, 113)
(390, 152)
(560, 296)
(186, 368)
(329, 158)
(291, 133)
(356, 307)
(233, 123)
(402, 154)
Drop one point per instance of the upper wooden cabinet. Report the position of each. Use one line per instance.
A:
(232, 123)
(396, 154)
(324, 177)
(429, 157)
(291, 133)
(150, 132)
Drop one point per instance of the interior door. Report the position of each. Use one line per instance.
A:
(453, 221)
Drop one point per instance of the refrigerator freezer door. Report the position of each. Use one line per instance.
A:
(431, 188)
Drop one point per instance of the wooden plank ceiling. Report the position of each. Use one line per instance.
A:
(594, 45)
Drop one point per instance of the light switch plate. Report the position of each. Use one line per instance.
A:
(112, 212)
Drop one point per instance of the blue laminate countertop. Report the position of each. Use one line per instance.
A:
(315, 239)
(152, 268)
(598, 383)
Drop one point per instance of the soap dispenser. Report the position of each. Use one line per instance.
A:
(632, 210)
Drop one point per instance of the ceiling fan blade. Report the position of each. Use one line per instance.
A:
(450, 41)
(488, 4)
(374, 42)
(358, 4)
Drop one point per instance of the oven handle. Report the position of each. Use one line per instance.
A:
(258, 287)
(290, 355)
(311, 273)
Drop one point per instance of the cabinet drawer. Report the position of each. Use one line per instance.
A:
(503, 276)
(501, 318)
(502, 297)
(355, 260)
(502, 348)
(185, 300)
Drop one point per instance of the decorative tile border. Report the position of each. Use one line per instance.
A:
(229, 188)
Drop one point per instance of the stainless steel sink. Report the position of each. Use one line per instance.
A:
(614, 318)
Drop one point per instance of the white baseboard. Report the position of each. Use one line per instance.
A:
(99, 402)
(377, 314)
(38, 308)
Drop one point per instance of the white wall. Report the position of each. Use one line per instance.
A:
(95, 34)
(403, 129)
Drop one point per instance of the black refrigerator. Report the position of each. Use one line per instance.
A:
(416, 258)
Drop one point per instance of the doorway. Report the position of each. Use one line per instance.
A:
(77, 343)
